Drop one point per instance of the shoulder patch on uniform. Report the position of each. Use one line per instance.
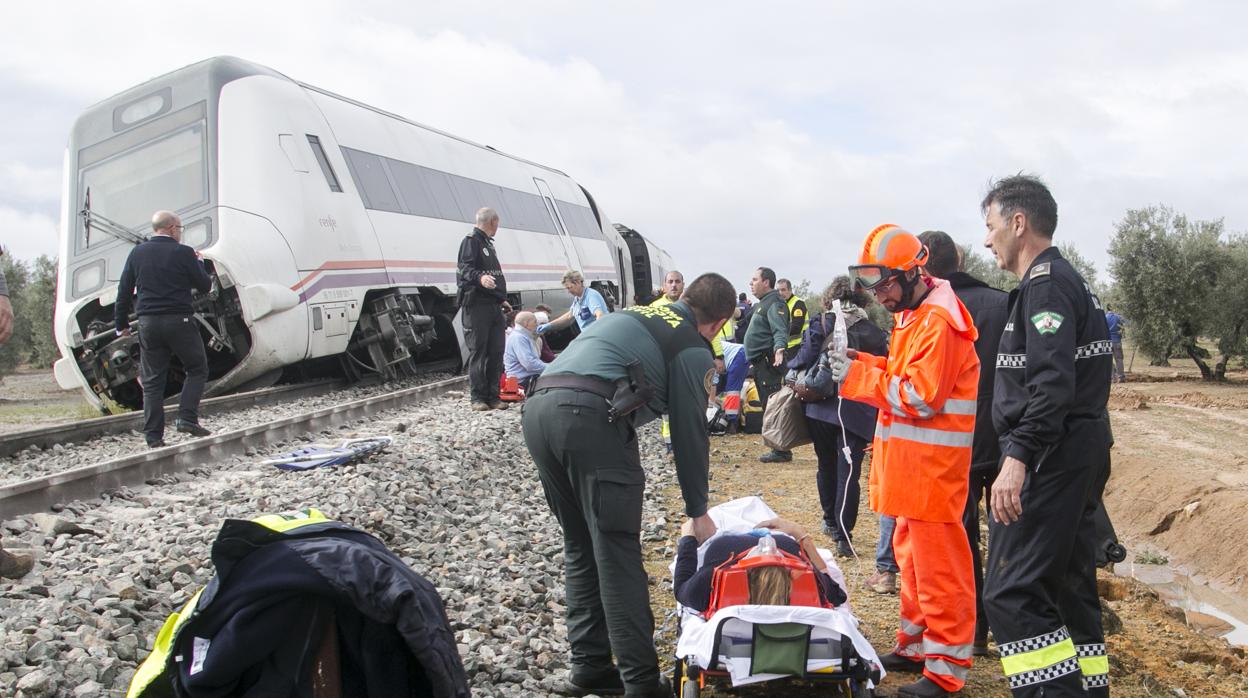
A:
(1047, 322)
(797, 311)
(709, 380)
(1041, 269)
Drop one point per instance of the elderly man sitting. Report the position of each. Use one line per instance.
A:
(521, 357)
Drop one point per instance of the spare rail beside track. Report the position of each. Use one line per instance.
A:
(49, 491)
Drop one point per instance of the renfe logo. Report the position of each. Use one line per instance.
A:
(329, 222)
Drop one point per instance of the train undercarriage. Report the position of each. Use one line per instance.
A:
(400, 332)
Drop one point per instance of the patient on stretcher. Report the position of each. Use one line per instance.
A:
(767, 585)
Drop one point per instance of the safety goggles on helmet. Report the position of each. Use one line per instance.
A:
(869, 276)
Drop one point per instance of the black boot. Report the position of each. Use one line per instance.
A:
(895, 662)
(602, 683)
(923, 688)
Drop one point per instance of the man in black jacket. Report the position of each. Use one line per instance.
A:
(1050, 410)
(989, 307)
(163, 271)
(483, 306)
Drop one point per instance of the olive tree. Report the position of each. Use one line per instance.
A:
(1178, 281)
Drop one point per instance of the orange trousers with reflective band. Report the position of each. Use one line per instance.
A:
(937, 599)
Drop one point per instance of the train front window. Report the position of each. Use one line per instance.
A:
(168, 173)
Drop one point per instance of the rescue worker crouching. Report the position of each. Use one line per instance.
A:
(925, 392)
(580, 427)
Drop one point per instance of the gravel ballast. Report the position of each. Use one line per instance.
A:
(456, 497)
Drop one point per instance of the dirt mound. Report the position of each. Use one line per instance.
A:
(1121, 398)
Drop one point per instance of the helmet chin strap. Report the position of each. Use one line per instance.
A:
(907, 290)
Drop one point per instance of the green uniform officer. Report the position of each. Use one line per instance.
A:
(580, 423)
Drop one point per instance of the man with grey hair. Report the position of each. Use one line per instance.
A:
(483, 305)
(163, 271)
(522, 357)
(587, 304)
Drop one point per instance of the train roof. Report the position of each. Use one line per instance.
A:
(218, 71)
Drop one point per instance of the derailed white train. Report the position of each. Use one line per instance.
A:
(331, 228)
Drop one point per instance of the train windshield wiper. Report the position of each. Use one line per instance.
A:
(105, 225)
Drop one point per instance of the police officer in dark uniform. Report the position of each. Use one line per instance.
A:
(1049, 409)
(163, 271)
(580, 425)
(483, 307)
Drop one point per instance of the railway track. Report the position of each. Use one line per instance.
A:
(54, 490)
(73, 432)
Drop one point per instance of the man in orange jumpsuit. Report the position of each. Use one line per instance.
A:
(925, 390)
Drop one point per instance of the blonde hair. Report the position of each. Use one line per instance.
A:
(770, 586)
(573, 276)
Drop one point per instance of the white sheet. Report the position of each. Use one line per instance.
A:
(697, 636)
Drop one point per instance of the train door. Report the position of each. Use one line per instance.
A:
(569, 249)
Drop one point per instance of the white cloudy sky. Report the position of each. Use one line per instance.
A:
(732, 133)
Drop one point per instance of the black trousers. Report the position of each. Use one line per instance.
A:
(767, 378)
(485, 330)
(594, 484)
(1040, 592)
(836, 478)
(162, 337)
(981, 489)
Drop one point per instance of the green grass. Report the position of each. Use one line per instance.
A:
(19, 413)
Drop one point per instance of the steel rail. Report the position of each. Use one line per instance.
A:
(55, 490)
(84, 430)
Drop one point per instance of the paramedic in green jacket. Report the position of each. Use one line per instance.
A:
(580, 424)
(765, 341)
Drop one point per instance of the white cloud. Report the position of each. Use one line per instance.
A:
(25, 236)
(735, 136)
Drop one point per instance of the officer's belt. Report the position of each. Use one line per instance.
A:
(571, 381)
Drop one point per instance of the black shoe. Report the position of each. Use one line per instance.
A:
(776, 457)
(158, 443)
(980, 648)
(923, 688)
(498, 405)
(843, 549)
(583, 683)
(895, 662)
(660, 689)
(193, 429)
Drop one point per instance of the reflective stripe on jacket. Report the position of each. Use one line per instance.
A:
(799, 320)
(925, 391)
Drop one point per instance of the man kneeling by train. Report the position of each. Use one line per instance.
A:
(580, 425)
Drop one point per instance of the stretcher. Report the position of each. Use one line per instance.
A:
(746, 645)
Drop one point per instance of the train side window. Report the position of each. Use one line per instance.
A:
(372, 181)
(539, 214)
(518, 210)
(326, 168)
(492, 195)
(439, 184)
(407, 177)
(468, 196)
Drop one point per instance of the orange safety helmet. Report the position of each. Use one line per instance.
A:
(887, 251)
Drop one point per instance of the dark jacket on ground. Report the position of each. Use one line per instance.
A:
(856, 417)
(163, 271)
(692, 585)
(990, 308)
(477, 256)
(257, 625)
